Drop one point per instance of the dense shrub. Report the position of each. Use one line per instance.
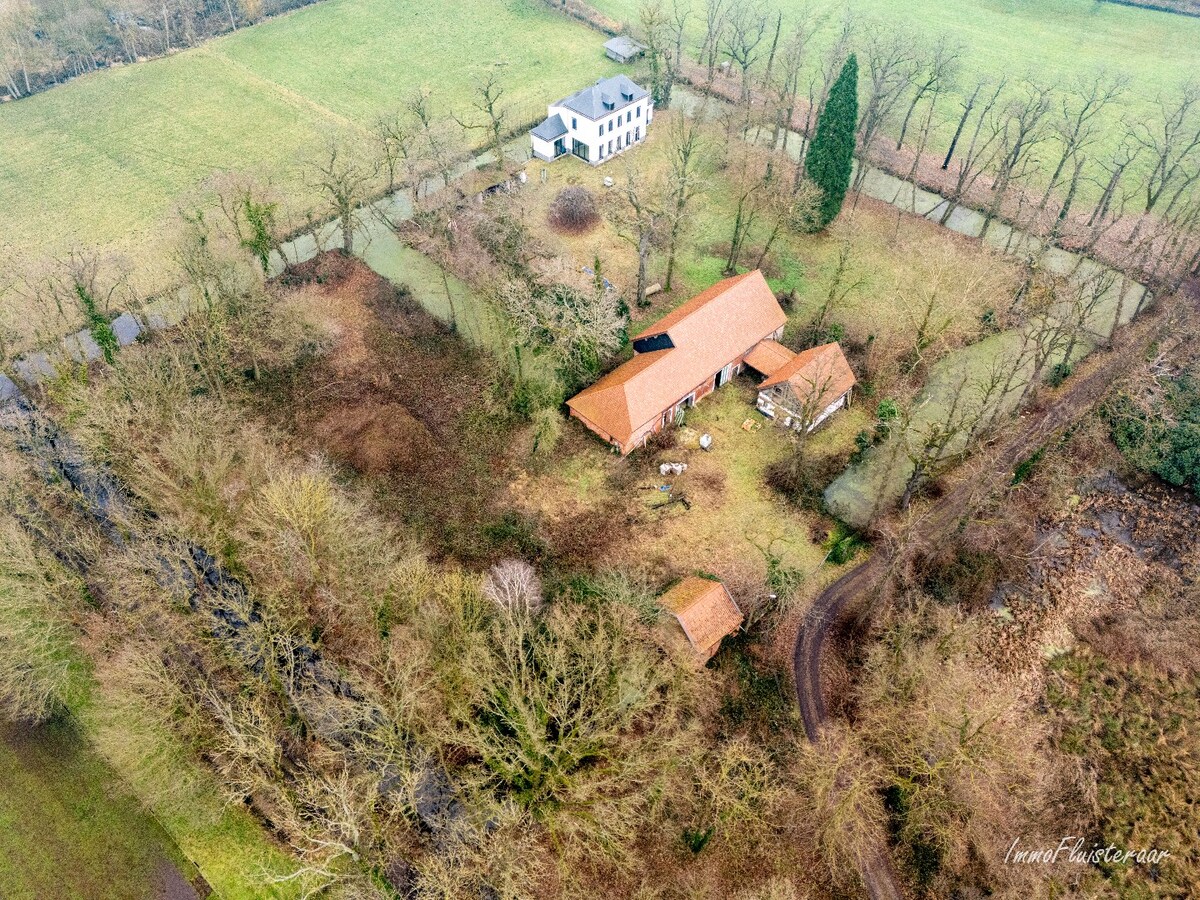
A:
(1162, 437)
(574, 210)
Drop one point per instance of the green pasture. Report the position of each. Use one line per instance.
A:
(66, 828)
(103, 162)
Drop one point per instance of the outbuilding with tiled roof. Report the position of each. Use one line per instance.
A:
(706, 612)
(805, 390)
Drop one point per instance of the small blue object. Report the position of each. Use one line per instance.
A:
(589, 270)
(664, 487)
(607, 284)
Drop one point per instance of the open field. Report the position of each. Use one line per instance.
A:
(67, 830)
(1057, 38)
(1054, 41)
(103, 162)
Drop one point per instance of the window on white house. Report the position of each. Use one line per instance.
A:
(610, 146)
(639, 112)
(637, 133)
(627, 141)
(602, 151)
(610, 125)
(574, 124)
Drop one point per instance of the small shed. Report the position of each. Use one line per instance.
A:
(706, 612)
(623, 49)
(802, 390)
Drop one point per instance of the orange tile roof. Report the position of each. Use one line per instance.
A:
(822, 370)
(705, 611)
(708, 332)
(769, 357)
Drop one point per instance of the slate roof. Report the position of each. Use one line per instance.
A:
(552, 129)
(624, 47)
(590, 101)
(705, 611)
(709, 331)
(819, 370)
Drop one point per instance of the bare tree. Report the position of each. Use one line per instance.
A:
(690, 163)
(1172, 139)
(514, 586)
(795, 207)
(753, 175)
(681, 13)
(968, 106)
(345, 181)
(747, 26)
(441, 134)
(1077, 124)
(1022, 129)
(934, 443)
(792, 63)
(841, 286)
(716, 14)
(889, 64)
(492, 115)
(930, 77)
(640, 215)
(656, 31)
(401, 156)
(982, 149)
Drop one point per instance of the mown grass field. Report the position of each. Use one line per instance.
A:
(104, 162)
(65, 831)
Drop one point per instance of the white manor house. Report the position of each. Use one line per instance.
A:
(596, 123)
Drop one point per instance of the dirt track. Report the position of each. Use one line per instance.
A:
(1031, 431)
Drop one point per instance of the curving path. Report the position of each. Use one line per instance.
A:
(1031, 431)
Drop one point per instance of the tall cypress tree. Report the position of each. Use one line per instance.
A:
(831, 154)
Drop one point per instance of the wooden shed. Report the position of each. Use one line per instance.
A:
(706, 612)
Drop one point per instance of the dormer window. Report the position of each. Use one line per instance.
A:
(627, 95)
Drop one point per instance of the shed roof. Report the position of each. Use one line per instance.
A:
(819, 370)
(708, 332)
(769, 357)
(705, 610)
(590, 102)
(624, 46)
(552, 129)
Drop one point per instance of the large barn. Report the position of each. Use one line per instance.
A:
(679, 359)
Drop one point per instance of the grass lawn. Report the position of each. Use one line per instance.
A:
(894, 267)
(103, 162)
(68, 830)
(734, 518)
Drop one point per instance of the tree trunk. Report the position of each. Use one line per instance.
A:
(643, 256)
(962, 123)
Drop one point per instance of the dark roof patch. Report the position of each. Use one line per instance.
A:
(552, 129)
(604, 96)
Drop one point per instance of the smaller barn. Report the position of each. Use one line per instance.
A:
(802, 390)
(706, 612)
(623, 49)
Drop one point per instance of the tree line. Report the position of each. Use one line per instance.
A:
(43, 43)
(1084, 161)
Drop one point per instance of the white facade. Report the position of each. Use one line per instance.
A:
(595, 124)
